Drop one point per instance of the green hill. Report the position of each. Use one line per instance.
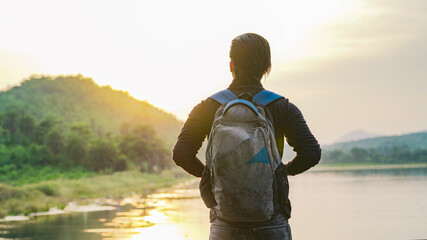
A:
(408, 148)
(68, 126)
(412, 141)
(75, 98)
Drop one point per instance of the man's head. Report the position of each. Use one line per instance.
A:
(250, 56)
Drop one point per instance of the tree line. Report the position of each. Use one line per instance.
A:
(381, 155)
(28, 143)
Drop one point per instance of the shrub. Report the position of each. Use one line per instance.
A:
(48, 189)
(8, 192)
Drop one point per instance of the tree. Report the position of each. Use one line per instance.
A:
(55, 142)
(43, 128)
(136, 143)
(19, 156)
(77, 145)
(26, 125)
(11, 121)
(141, 145)
(359, 154)
(103, 154)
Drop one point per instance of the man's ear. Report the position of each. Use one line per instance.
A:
(231, 66)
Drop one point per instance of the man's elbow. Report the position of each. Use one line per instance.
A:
(177, 157)
(316, 156)
(312, 157)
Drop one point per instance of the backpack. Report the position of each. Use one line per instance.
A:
(241, 159)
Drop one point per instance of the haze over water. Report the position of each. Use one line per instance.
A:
(362, 204)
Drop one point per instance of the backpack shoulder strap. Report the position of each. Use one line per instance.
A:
(265, 97)
(224, 96)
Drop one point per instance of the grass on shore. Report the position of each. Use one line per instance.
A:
(39, 197)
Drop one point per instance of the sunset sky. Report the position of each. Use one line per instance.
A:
(354, 64)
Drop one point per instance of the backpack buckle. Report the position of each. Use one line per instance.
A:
(246, 96)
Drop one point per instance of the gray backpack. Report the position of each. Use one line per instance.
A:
(241, 158)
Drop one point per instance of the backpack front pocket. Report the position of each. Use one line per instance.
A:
(205, 187)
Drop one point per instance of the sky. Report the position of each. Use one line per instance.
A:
(347, 65)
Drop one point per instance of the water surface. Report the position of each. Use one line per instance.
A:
(357, 204)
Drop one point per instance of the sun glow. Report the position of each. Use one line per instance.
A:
(150, 49)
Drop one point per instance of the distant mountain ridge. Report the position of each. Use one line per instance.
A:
(411, 141)
(75, 98)
(356, 135)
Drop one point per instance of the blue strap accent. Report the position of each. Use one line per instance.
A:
(224, 96)
(260, 157)
(265, 97)
(243, 102)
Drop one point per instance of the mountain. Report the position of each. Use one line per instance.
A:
(356, 135)
(411, 141)
(75, 98)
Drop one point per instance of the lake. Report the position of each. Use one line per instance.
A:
(356, 204)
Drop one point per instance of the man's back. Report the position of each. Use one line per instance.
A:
(287, 121)
(250, 60)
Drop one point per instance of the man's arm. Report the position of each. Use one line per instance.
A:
(299, 136)
(191, 138)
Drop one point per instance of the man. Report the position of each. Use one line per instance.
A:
(250, 61)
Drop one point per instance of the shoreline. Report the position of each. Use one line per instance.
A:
(352, 167)
(71, 208)
(97, 193)
(106, 204)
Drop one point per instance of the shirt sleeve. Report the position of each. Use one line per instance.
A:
(300, 138)
(190, 139)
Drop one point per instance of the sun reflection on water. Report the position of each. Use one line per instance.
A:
(158, 216)
(162, 231)
(155, 217)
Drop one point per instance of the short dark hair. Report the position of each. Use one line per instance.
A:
(250, 54)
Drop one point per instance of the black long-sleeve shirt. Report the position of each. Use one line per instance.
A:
(287, 119)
